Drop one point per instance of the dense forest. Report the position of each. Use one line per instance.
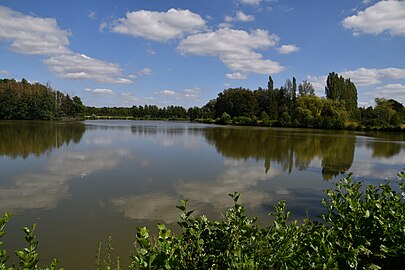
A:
(26, 101)
(291, 105)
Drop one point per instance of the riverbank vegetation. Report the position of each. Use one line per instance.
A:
(291, 105)
(360, 228)
(26, 101)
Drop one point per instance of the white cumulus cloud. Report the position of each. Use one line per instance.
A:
(32, 35)
(286, 49)
(251, 2)
(180, 96)
(240, 17)
(42, 36)
(235, 48)
(159, 26)
(79, 66)
(100, 91)
(395, 91)
(384, 16)
(166, 93)
(140, 73)
(236, 76)
(369, 76)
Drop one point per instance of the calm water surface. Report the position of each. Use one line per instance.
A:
(83, 182)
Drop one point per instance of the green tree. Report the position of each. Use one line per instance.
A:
(337, 88)
(386, 114)
(236, 102)
(225, 119)
(194, 113)
(270, 84)
(305, 88)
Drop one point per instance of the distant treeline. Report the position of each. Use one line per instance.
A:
(26, 101)
(140, 112)
(290, 105)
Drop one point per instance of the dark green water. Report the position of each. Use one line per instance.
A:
(83, 182)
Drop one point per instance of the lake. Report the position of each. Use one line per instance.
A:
(82, 182)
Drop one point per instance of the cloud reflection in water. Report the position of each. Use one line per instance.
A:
(46, 189)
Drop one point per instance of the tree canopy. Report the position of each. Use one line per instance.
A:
(34, 101)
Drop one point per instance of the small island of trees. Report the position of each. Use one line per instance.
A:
(290, 105)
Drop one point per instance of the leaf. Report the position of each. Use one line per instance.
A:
(367, 214)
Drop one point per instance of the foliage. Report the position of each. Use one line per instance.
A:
(360, 229)
(236, 102)
(225, 119)
(338, 88)
(306, 88)
(107, 263)
(26, 101)
(387, 113)
(369, 226)
(28, 256)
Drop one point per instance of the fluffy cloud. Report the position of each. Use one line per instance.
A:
(166, 93)
(80, 66)
(395, 91)
(384, 16)
(370, 76)
(192, 94)
(236, 76)
(100, 91)
(32, 35)
(42, 36)
(235, 48)
(114, 98)
(251, 2)
(159, 26)
(286, 49)
(240, 17)
(140, 73)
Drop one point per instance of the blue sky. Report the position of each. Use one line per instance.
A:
(185, 52)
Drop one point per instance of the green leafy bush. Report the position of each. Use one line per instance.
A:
(362, 228)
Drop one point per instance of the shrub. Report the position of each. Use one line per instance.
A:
(243, 121)
(360, 229)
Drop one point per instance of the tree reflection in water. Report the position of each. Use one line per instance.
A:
(287, 147)
(24, 138)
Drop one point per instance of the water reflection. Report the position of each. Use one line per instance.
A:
(104, 176)
(207, 196)
(23, 138)
(288, 147)
(46, 188)
(236, 176)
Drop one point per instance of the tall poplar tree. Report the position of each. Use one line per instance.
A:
(338, 88)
